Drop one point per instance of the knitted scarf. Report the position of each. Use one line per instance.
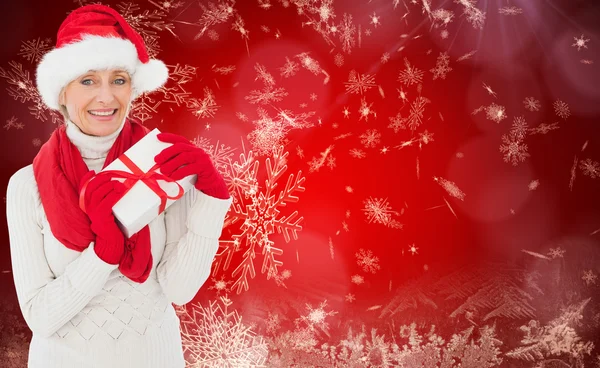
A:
(58, 169)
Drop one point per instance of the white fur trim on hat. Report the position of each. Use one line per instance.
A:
(62, 65)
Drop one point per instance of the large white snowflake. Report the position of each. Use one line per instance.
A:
(495, 112)
(316, 318)
(205, 107)
(379, 211)
(442, 66)
(474, 16)
(367, 261)
(34, 50)
(532, 104)
(258, 210)
(270, 132)
(561, 109)
(215, 336)
(347, 30)
(514, 148)
(23, 89)
(146, 106)
(365, 110)
(417, 111)
(290, 68)
(590, 168)
(147, 23)
(220, 155)
(410, 75)
(580, 42)
(358, 83)
(370, 138)
(214, 14)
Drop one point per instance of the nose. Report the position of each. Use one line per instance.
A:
(105, 94)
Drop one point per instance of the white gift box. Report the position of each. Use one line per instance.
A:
(140, 205)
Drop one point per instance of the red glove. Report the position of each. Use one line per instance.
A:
(183, 158)
(101, 195)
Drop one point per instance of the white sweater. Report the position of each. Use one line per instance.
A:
(83, 312)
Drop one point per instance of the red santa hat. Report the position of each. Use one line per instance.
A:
(96, 37)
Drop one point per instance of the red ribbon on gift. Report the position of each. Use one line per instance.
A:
(149, 178)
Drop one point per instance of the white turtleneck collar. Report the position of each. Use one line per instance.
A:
(91, 147)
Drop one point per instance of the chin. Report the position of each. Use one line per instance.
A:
(100, 129)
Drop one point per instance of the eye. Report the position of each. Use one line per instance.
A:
(120, 81)
(84, 82)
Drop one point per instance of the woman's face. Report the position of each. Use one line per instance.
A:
(93, 95)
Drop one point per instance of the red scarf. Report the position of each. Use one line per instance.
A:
(58, 169)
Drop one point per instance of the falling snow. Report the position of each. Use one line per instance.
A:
(513, 148)
(442, 66)
(580, 42)
(510, 10)
(34, 50)
(259, 212)
(23, 89)
(347, 31)
(590, 168)
(532, 104)
(215, 336)
(370, 138)
(451, 188)
(289, 69)
(379, 211)
(367, 261)
(358, 83)
(561, 109)
(410, 75)
(495, 113)
(589, 277)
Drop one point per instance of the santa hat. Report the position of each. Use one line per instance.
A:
(96, 37)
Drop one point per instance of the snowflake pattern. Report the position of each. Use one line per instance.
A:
(370, 138)
(367, 261)
(215, 336)
(589, 277)
(23, 89)
(580, 42)
(590, 168)
(510, 10)
(561, 109)
(410, 75)
(532, 104)
(358, 83)
(147, 23)
(514, 149)
(347, 31)
(33, 50)
(495, 113)
(442, 66)
(379, 211)
(450, 187)
(258, 211)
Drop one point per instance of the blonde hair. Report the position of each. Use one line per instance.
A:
(63, 108)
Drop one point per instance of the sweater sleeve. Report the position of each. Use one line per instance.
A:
(193, 225)
(47, 302)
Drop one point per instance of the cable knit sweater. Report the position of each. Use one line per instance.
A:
(83, 312)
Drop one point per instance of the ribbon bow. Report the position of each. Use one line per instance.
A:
(149, 178)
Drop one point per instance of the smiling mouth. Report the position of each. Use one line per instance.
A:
(103, 113)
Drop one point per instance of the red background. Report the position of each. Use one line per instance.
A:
(524, 55)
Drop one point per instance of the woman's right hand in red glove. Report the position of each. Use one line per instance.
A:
(101, 195)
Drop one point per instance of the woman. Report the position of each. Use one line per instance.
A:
(92, 297)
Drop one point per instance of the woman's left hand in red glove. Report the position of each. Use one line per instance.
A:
(183, 158)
